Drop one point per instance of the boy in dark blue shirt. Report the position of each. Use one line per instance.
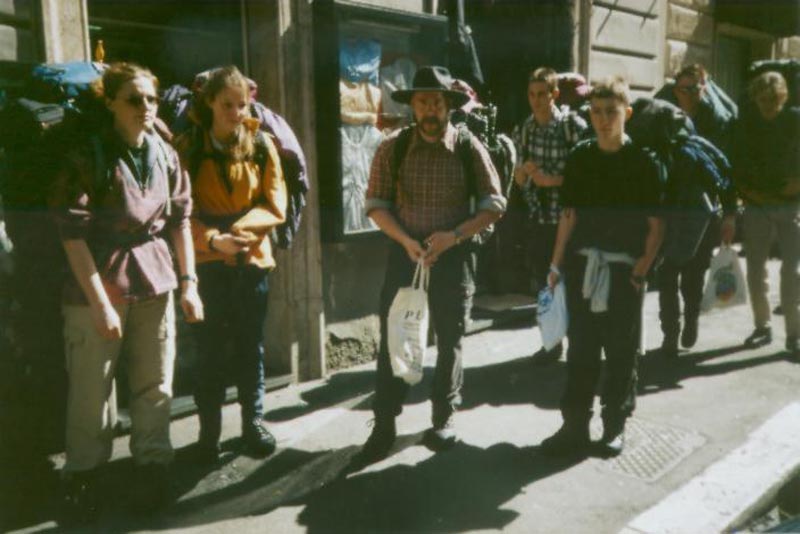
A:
(608, 236)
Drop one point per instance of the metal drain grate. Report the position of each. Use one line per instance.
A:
(650, 449)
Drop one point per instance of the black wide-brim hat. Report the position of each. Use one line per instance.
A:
(429, 79)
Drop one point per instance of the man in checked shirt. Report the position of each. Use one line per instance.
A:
(424, 208)
(543, 142)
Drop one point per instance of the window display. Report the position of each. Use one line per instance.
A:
(376, 51)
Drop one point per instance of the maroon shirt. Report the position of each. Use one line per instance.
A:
(431, 194)
(123, 219)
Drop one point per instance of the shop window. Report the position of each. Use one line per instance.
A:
(362, 55)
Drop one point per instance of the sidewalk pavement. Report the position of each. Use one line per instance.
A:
(691, 413)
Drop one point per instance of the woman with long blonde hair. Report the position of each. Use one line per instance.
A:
(239, 197)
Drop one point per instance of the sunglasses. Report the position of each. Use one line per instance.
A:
(690, 89)
(139, 100)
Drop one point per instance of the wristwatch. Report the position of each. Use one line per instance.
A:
(188, 278)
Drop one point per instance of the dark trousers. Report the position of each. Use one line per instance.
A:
(542, 240)
(615, 332)
(235, 303)
(449, 302)
(686, 278)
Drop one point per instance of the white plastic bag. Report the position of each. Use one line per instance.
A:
(551, 314)
(408, 327)
(725, 285)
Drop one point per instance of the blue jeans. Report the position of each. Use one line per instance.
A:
(235, 303)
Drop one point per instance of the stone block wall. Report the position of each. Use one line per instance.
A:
(689, 34)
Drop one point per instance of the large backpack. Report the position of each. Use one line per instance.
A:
(697, 175)
(56, 114)
(176, 111)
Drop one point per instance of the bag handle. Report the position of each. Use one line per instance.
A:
(421, 277)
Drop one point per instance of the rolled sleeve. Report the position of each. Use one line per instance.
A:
(495, 203)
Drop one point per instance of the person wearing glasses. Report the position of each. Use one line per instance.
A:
(240, 195)
(686, 278)
(116, 201)
(766, 163)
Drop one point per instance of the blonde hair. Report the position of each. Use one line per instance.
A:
(243, 146)
(771, 81)
(545, 75)
(613, 87)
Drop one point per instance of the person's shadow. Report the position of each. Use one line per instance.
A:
(657, 373)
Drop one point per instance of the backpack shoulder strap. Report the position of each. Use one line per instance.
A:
(196, 149)
(464, 152)
(261, 154)
(399, 152)
(162, 158)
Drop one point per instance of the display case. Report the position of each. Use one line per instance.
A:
(362, 54)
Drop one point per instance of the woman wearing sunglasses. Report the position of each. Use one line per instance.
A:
(239, 197)
(116, 200)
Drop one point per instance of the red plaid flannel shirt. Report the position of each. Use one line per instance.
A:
(431, 193)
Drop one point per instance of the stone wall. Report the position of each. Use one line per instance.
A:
(625, 39)
(17, 39)
(690, 34)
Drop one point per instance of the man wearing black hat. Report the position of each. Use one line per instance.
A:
(423, 205)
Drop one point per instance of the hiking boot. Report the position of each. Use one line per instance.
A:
(79, 499)
(442, 436)
(689, 334)
(793, 348)
(379, 443)
(568, 440)
(669, 347)
(151, 492)
(761, 336)
(546, 357)
(206, 451)
(258, 441)
(613, 439)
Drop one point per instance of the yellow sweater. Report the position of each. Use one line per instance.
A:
(255, 204)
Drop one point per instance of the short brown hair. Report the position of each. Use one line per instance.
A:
(695, 70)
(545, 75)
(771, 81)
(117, 75)
(614, 87)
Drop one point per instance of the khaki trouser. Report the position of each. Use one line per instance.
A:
(761, 226)
(148, 339)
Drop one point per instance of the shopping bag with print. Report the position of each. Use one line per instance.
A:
(408, 327)
(551, 314)
(725, 285)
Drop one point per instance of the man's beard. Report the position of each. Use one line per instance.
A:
(424, 128)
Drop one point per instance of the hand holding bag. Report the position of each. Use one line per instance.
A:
(551, 314)
(408, 327)
(725, 285)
